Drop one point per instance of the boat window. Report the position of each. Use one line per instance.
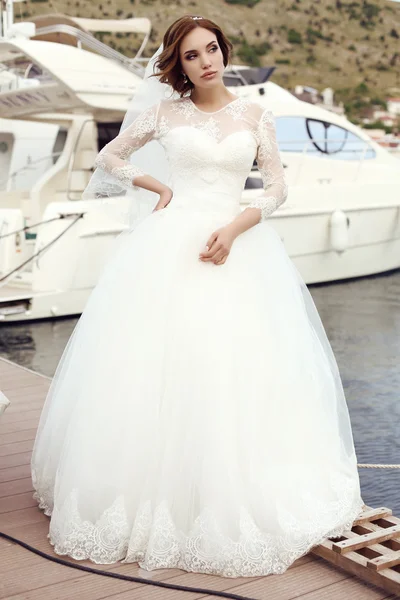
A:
(59, 143)
(20, 73)
(320, 138)
(253, 183)
(106, 133)
(234, 77)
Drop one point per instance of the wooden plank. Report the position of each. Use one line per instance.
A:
(346, 590)
(387, 557)
(361, 541)
(16, 381)
(13, 473)
(21, 415)
(14, 392)
(20, 517)
(356, 564)
(20, 407)
(384, 562)
(40, 574)
(378, 549)
(17, 486)
(15, 448)
(292, 584)
(17, 501)
(19, 426)
(372, 515)
(15, 460)
(18, 436)
(388, 521)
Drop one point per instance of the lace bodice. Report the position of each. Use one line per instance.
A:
(213, 151)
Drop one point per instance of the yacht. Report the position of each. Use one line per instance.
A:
(342, 216)
(341, 219)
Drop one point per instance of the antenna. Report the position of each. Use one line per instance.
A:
(6, 15)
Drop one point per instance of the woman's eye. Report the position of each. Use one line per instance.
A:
(190, 56)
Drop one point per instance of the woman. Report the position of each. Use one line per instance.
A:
(197, 419)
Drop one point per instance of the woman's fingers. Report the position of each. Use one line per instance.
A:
(219, 255)
(213, 237)
(211, 252)
(210, 246)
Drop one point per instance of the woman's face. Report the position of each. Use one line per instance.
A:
(200, 54)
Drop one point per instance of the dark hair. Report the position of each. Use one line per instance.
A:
(169, 62)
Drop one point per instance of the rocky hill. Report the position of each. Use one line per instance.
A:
(353, 47)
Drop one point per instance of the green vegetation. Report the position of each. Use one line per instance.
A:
(380, 125)
(294, 37)
(250, 53)
(350, 46)
(248, 3)
(314, 34)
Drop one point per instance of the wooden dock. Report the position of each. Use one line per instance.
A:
(26, 576)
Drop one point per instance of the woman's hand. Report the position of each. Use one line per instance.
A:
(165, 198)
(218, 246)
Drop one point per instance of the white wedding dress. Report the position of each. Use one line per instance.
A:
(197, 418)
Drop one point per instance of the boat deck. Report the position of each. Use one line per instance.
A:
(26, 576)
(15, 292)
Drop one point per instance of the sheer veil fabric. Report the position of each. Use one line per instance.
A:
(197, 418)
(150, 158)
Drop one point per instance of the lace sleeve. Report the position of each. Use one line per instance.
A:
(270, 167)
(113, 158)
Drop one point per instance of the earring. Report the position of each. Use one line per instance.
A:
(185, 80)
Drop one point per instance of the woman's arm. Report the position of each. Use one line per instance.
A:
(270, 167)
(275, 193)
(113, 158)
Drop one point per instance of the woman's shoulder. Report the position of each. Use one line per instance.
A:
(256, 109)
(176, 104)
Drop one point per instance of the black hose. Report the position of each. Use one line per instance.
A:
(170, 586)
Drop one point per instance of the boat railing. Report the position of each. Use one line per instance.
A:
(29, 166)
(72, 158)
(89, 41)
(21, 78)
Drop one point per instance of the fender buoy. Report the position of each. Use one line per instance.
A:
(339, 231)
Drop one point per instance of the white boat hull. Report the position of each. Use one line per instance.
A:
(65, 275)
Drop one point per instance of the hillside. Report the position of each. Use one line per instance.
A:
(353, 47)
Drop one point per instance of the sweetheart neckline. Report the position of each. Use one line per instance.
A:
(210, 136)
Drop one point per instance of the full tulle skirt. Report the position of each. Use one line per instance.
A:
(196, 419)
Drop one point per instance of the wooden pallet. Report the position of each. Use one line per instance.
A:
(371, 550)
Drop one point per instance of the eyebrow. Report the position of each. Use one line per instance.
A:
(187, 51)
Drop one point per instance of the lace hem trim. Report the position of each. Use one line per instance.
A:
(155, 542)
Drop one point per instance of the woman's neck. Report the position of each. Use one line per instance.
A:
(211, 99)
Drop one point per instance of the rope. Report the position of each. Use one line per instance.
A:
(26, 227)
(371, 466)
(79, 216)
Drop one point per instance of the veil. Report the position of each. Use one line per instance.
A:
(125, 204)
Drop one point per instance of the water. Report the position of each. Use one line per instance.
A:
(362, 320)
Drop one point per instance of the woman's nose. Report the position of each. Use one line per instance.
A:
(205, 61)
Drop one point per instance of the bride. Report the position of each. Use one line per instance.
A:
(197, 418)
